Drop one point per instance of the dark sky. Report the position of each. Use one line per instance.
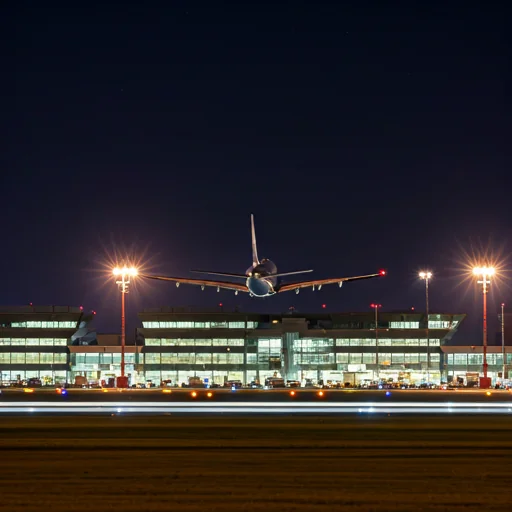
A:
(362, 136)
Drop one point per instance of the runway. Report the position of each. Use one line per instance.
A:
(230, 463)
(252, 408)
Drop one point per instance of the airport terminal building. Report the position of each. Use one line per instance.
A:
(56, 344)
(337, 347)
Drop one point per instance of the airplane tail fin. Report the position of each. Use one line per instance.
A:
(255, 260)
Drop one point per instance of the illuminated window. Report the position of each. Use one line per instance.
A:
(152, 358)
(384, 358)
(203, 342)
(369, 358)
(153, 342)
(17, 358)
(252, 358)
(342, 342)
(460, 359)
(252, 325)
(184, 325)
(412, 358)
(342, 358)
(32, 358)
(404, 325)
(397, 358)
(236, 342)
(60, 358)
(203, 359)
(355, 358)
(5, 358)
(237, 325)
(475, 358)
(440, 324)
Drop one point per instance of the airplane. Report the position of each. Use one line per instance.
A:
(261, 278)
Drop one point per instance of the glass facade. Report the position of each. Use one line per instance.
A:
(34, 344)
(319, 348)
(463, 365)
(177, 347)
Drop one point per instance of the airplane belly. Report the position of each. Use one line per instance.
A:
(259, 287)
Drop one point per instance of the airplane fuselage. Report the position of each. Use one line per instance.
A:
(260, 281)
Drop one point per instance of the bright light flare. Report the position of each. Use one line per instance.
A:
(484, 271)
(292, 393)
(320, 393)
(126, 271)
(425, 275)
(209, 394)
(194, 394)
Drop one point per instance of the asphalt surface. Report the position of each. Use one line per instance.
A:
(355, 463)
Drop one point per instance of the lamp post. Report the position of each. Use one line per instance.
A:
(123, 280)
(503, 342)
(484, 273)
(426, 276)
(376, 308)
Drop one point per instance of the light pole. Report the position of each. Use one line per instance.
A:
(123, 280)
(426, 276)
(485, 274)
(503, 342)
(376, 308)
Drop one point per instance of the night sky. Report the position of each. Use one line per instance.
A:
(361, 136)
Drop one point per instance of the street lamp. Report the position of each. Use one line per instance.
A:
(123, 280)
(376, 308)
(484, 273)
(427, 276)
(503, 342)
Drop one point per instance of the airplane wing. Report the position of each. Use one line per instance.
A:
(321, 282)
(200, 282)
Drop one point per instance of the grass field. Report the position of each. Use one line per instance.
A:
(349, 463)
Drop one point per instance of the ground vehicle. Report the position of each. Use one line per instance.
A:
(274, 382)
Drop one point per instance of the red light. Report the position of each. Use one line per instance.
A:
(372, 305)
(324, 306)
(220, 304)
(81, 308)
(94, 312)
(412, 309)
(382, 272)
(30, 304)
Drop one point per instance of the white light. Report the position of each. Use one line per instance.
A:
(116, 271)
(425, 275)
(484, 271)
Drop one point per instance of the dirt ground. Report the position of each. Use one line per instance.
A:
(350, 463)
